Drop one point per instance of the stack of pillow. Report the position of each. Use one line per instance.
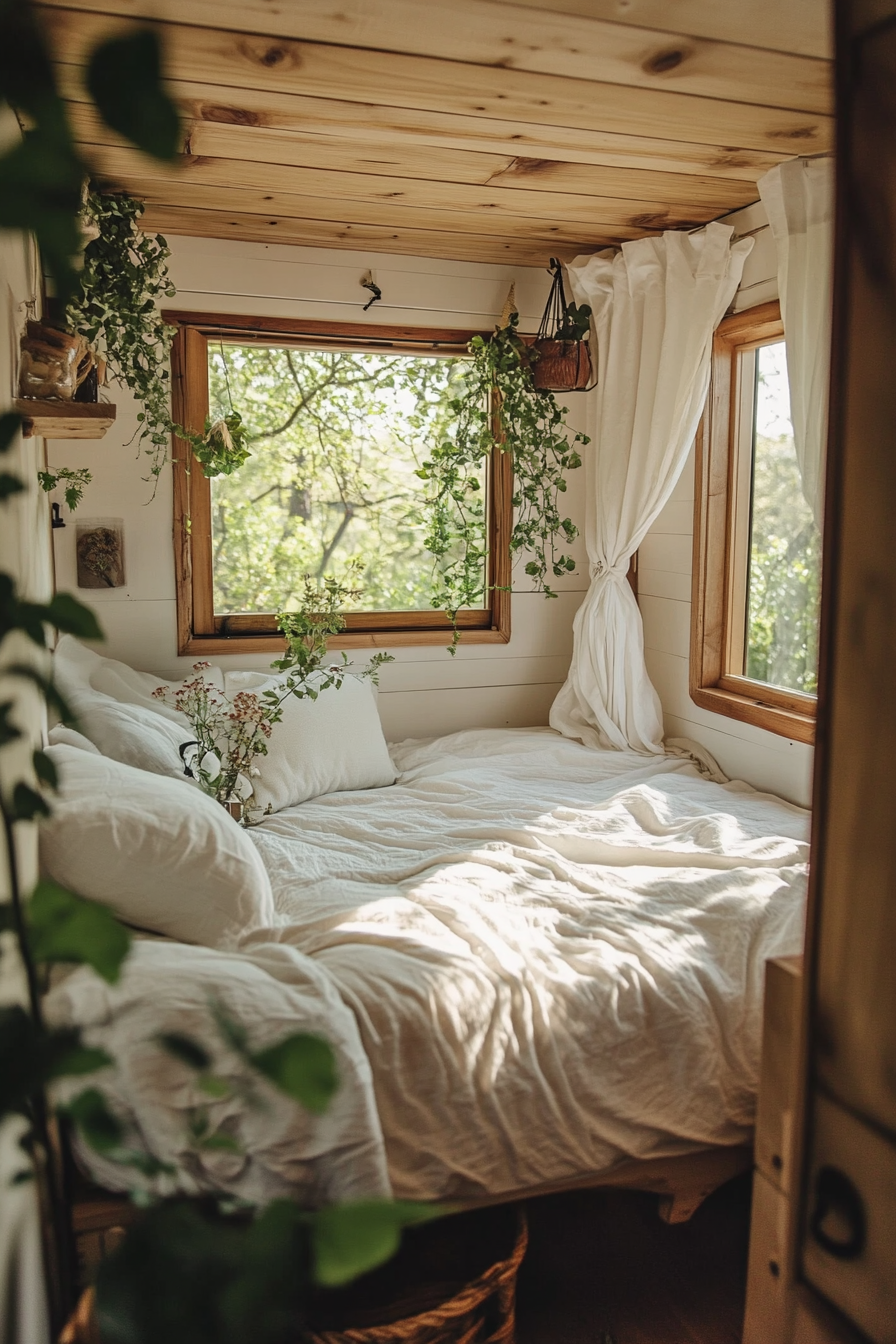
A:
(130, 830)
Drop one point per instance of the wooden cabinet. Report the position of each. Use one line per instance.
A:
(769, 1310)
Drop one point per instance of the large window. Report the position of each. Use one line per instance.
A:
(340, 420)
(758, 551)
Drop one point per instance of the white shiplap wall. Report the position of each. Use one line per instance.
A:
(665, 565)
(424, 692)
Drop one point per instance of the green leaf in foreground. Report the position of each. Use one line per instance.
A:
(71, 617)
(10, 424)
(125, 81)
(45, 769)
(32, 1056)
(303, 1067)
(98, 1126)
(350, 1239)
(27, 804)
(185, 1049)
(65, 927)
(80, 1059)
(26, 672)
(10, 485)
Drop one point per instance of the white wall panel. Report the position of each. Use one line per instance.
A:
(663, 583)
(429, 714)
(666, 550)
(667, 624)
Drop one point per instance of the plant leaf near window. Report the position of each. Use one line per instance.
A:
(115, 308)
(222, 449)
(499, 410)
(74, 480)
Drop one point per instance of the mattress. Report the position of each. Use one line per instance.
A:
(534, 960)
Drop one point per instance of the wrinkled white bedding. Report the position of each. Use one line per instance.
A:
(552, 957)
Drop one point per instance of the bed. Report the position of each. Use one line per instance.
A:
(539, 966)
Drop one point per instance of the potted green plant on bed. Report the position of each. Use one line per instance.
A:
(232, 732)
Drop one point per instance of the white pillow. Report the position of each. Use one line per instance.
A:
(62, 736)
(157, 851)
(116, 712)
(327, 745)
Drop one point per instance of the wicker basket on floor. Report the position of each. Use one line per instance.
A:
(420, 1297)
(482, 1311)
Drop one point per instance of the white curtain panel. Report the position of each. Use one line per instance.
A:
(799, 200)
(656, 303)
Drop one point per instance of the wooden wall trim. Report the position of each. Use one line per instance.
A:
(715, 605)
(199, 628)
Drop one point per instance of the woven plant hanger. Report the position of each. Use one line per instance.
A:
(555, 308)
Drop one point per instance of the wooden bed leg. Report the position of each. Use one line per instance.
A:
(680, 1206)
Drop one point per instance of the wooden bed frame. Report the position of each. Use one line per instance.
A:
(100, 1218)
(682, 1183)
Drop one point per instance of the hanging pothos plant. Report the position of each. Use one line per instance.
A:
(115, 307)
(222, 449)
(499, 410)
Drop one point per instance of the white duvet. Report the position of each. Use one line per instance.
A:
(533, 959)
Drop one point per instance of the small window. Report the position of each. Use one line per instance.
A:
(757, 572)
(340, 421)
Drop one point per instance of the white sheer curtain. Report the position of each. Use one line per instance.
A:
(799, 200)
(656, 303)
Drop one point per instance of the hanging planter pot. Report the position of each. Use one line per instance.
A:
(561, 356)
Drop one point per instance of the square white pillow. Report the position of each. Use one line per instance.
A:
(159, 852)
(116, 712)
(327, 745)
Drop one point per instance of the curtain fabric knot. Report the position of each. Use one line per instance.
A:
(603, 568)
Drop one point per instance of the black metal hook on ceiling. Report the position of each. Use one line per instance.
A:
(369, 283)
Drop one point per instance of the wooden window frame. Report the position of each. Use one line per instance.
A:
(199, 630)
(721, 541)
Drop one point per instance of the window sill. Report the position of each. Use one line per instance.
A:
(786, 722)
(218, 645)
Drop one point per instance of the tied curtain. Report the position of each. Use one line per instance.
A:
(656, 303)
(799, 200)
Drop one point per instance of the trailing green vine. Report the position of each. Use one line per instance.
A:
(115, 308)
(499, 410)
(74, 480)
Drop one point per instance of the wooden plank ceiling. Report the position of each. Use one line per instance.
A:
(473, 129)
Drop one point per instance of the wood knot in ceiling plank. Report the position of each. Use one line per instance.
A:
(271, 55)
(670, 58)
(229, 116)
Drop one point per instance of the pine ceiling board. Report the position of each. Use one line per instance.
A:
(801, 26)
(364, 237)
(495, 201)
(214, 57)
(259, 145)
(444, 130)
(478, 32)
(273, 205)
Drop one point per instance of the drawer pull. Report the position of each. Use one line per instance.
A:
(838, 1220)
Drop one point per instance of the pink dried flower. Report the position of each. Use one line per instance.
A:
(160, 692)
(200, 666)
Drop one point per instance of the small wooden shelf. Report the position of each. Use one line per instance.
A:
(65, 419)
